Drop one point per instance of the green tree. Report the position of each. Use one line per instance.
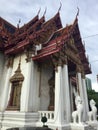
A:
(93, 95)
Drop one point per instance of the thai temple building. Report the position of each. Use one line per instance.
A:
(42, 69)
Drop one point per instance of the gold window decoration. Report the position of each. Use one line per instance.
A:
(16, 81)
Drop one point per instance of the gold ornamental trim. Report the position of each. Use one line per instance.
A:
(18, 76)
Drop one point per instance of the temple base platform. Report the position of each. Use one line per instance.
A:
(82, 126)
(10, 119)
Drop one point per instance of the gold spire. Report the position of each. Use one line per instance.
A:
(18, 68)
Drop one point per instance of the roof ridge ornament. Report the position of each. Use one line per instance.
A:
(45, 11)
(76, 18)
(39, 11)
(18, 23)
(60, 7)
(77, 12)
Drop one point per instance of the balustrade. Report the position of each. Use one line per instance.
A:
(48, 114)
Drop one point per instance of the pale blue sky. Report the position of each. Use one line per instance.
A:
(13, 10)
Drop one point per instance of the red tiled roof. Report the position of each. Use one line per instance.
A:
(50, 34)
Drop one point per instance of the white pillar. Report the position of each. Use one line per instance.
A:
(72, 91)
(26, 104)
(6, 90)
(80, 84)
(66, 93)
(85, 98)
(2, 67)
(59, 112)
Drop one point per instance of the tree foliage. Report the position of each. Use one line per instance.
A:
(93, 95)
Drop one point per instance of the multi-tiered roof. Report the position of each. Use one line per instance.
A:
(50, 34)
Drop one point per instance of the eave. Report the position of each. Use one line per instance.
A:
(47, 51)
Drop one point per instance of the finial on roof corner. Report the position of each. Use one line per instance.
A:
(77, 12)
(39, 11)
(18, 23)
(60, 7)
(45, 11)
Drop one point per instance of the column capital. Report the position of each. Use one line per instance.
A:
(65, 60)
(78, 68)
(82, 72)
(59, 59)
(29, 51)
(28, 55)
(83, 75)
(59, 62)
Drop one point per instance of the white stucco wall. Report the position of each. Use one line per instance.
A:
(30, 100)
(35, 92)
(1, 69)
(35, 88)
(15, 65)
(25, 86)
(46, 74)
